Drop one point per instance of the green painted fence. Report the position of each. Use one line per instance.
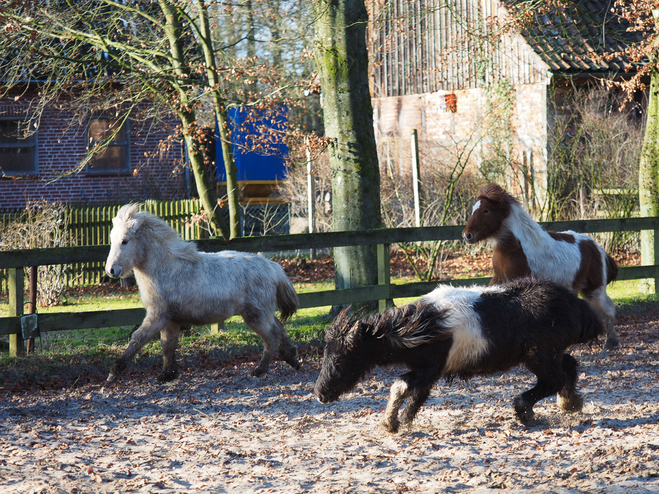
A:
(383, 292)
(91, 226)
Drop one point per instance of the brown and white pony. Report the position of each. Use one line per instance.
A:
(522, 249)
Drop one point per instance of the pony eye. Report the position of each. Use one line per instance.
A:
(486, 211)
(124, 241)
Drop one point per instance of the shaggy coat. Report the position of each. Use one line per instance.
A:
(181, 286)
(461, 332)
(522, 249)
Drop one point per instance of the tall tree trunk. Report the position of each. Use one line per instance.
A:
(342, 60)
(205, 39)
(204, 183)
(648, 173)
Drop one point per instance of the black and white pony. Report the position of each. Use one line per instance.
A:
(462, 332)
(181, 286)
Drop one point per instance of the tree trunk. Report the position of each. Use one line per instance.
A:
(648, 178)
(648, 173)
(342, 61)
(205, 187)
(203, 181)
(233, 191)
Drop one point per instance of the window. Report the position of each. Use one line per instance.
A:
(114, 157)
(18, 153)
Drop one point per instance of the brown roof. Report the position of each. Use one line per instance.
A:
(573, 38)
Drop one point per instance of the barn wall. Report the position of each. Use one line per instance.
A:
(445, 136)
(425, 46)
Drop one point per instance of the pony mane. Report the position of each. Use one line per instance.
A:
(524, 226)
(154, 231)
(496, 193)
(411, 325)
(519, 221)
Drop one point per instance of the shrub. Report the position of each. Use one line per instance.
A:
(42, 225)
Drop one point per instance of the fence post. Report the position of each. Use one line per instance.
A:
(16, 344)
(384, 274)
(216, 327)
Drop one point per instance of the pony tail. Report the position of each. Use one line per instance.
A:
(611, 269)
(287, 300)
(591, 323)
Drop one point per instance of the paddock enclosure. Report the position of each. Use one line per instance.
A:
(20, 329)
(220, 430)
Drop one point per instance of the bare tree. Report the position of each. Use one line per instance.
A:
(112, 54)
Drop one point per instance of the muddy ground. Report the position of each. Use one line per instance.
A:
(221, 430)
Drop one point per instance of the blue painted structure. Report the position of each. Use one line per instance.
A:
(246, 126)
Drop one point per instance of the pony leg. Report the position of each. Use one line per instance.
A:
(603, 303)
(149, 328)
(399, 391)
(263, 327)
(169, 340)
(568, 398)
(551, 379)
(419, 386)
(286, 348)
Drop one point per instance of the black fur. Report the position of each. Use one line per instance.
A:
(528, 322)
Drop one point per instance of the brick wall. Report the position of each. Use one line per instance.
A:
(156, 171)
(443, 133)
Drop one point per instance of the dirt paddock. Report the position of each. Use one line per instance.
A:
(224, 431)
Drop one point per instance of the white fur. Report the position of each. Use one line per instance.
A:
(469, 343)
(181, 286)
(475, 207)
(549, 259)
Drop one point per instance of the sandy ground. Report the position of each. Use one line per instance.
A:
(224, 431)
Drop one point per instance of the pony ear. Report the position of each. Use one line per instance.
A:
(356, 334)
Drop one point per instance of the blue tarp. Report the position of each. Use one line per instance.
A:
(269, 161)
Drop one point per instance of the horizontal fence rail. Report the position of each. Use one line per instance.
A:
(383, 292)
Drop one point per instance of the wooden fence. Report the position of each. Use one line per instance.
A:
(20, 327)
(92, 225)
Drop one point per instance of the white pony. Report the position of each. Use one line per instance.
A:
(181, 286)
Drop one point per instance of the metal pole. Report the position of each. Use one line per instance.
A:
(415, 178)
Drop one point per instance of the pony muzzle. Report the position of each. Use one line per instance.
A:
(325, 399)
(469, 238)
(114, 271)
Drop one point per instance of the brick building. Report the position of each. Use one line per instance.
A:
(49, 161)
(442, 68)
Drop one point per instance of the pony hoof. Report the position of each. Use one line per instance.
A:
(390, 426)
(111, 378)
(524, 411)
(611, 344)
(571, 405)
(258, 372)
(165, 377)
